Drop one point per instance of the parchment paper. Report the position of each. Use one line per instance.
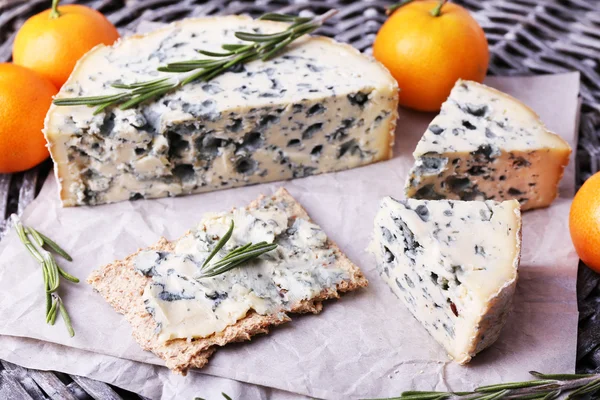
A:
(366, 344)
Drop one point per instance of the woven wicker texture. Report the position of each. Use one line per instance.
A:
(526, 37)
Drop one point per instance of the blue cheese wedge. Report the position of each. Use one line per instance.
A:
(486, 145)
(182, 317)
(453, 264)
(317, 107)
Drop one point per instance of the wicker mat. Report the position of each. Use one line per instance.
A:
(526, 37)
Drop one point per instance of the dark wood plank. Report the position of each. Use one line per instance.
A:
(4, 192)
(98, 390)
(11, 389)
(49, 383)
(23, 376)
(27, 190)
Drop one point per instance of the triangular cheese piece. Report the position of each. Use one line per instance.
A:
(454, 265)
(486, 145)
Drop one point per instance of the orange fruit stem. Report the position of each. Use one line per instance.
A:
(437, 11)
(54, 13)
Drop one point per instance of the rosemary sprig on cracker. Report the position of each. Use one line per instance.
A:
(261, 46)
(235, 257)
(41, 248)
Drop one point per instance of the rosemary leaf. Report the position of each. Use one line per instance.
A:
(237, 48)
(102, 107)
(260, 37)
(219, 244)
(282, 18)
(67, 276)
(33, 251)
(410, 393)
(213, 54)
(48, 276)
(52, 313)
(245, 255)
(562, 377)
(495, 396)
(424, 396)
(143, 97)
(48, 301)
(514, 385)
(235, 261)
(65, 316)
(236, 251)
(533, 396)
(90, 101)
(551, 395)
(20, 230)
(139, 84)
(278, 47)
(53, 267)
(52, 245)
(36, 236)
(197, 63)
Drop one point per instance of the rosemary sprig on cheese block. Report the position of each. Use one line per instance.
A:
(262, 46)
(457, 282)
(486, 145)
(182, 313)
(546, 387)
(319, 106)
(38, 245)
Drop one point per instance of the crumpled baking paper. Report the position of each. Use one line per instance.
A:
(367, 344)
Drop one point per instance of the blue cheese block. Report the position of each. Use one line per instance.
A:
(453, 264)
(319, 106)
(182, 316)
(486, 145)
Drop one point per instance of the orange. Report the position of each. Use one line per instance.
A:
(427, 54)
(51, 43)
(25, 97)
(584, 222)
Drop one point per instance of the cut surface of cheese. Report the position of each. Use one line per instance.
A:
(454, 265)
(318, 106)
(486, 145)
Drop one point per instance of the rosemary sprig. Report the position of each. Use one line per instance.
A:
(546, 387)
(40, 249)
(235, 257)
(260, 46)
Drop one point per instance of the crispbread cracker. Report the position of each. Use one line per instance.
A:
(123, 287)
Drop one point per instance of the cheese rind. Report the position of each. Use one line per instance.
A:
(453, 263)
(486, 145)
(320, 106)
